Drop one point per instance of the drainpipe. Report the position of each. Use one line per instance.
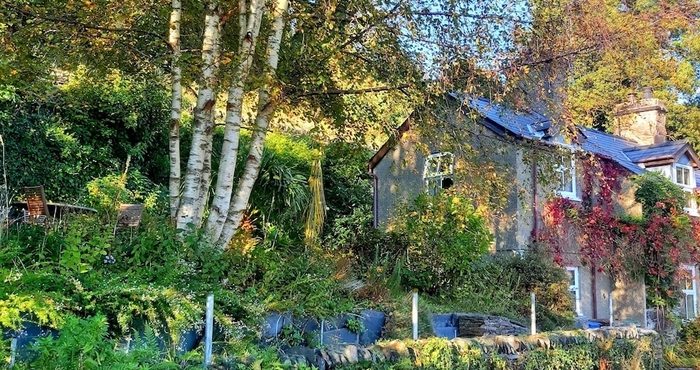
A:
(375, 198)
(594, 291)
(535, 200)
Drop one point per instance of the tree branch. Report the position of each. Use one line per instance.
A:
(88, 26)
(467, 15)
(351, 91)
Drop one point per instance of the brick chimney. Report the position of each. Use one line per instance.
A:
(642, 121)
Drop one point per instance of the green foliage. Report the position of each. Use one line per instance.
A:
(443, 236)
(281, 194)
(658, 194)
(355, 325)
(84, 344)
(686, 352)
(107, 192)
(291, 335)
(39, 306)
(621, 354)
(346, 181)
(583, 356)
(85, 129)
(668, 235)
(501, 285)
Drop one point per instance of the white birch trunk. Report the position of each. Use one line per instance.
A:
(175, 108)
(250, 29)
(193, 196)
(265, 109)
(205, 182)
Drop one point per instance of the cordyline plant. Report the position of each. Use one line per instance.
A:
(652, 246)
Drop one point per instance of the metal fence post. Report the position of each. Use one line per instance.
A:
(533, 316)
(209, 330)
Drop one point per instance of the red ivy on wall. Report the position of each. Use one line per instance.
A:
(593, 232)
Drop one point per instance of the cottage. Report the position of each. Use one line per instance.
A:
(512, 161)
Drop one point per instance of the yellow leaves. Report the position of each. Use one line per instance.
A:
(89, 4)
(684, 78)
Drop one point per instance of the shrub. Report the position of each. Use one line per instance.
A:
(443, 236)
(582, 356)
(84, 130)
(690, 335)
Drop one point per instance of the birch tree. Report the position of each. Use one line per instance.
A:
(234, 111)
(252, 53)
(175, 107)
(194, 185)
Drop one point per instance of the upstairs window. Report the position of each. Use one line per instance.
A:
(567, 177)
(438, 171)
(683, 175)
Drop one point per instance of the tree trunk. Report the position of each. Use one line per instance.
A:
(205, 182)
(250, 29)
(265, 109)
(194, 194)
(176, 108)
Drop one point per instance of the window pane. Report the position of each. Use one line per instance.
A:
(438, 165)
(567, 182)
(689, 306)
(572, 279)
(683, 175)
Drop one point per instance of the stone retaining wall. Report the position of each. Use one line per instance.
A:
(511, 348)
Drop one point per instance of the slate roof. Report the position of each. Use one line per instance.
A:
(609, 146)
(666, 150)
(535, 126)
(531, 125)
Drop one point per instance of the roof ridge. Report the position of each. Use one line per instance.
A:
(608, 134)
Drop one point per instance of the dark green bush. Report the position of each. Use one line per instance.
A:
(85, 129)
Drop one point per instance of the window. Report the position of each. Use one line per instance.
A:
(437, 172)
(683, 175)
(689, 304)
(567, 177)
(574, 288)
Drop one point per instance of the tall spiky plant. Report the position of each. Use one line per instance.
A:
(316, 212)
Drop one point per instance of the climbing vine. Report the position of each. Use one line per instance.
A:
(652, 245)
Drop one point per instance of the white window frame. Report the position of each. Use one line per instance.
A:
(562, 169)
(683, 167)
(691, 206)
(690, 292)
(430, 174)
(575, 288)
